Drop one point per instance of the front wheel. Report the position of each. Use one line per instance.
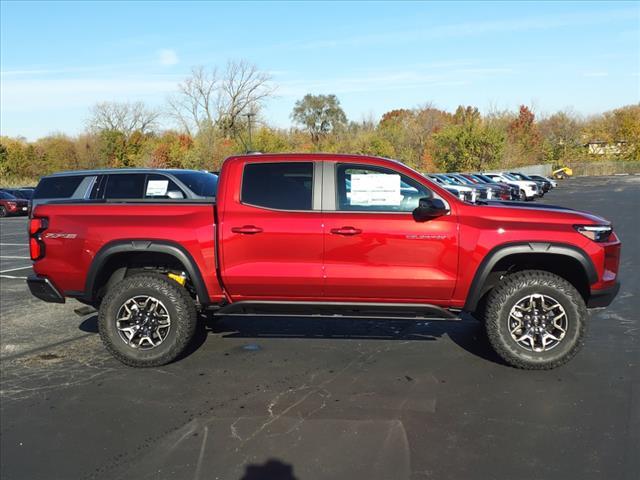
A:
(147, 320)
(535, 320)
(3, 211)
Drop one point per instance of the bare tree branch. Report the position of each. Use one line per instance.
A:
(124, 117)
(206, 100)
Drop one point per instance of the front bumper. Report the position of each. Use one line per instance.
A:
(42, 288)
(604, 297)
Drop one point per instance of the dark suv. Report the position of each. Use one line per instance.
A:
(11, 205)
(131, 184)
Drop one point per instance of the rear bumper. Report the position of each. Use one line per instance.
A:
(604, 297)
(42, 288)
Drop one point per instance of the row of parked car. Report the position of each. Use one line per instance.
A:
(15, 201)
(472, 187)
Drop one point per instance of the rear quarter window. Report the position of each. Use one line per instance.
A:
(125, 186)
(202, 184)
(59, 187)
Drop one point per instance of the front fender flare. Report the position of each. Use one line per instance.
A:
(476, 291)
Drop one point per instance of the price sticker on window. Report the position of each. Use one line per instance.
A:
(375, 189)
(157, 188)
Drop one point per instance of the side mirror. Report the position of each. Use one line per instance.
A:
(429, 208)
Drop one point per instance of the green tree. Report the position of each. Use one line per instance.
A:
(560, 137)
(319, 114)
(467, 144)
(56, 153)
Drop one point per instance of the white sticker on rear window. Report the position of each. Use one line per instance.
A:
(375, 189)
(157, 188)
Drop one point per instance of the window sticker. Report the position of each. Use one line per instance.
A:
(375, 189)
(157, 188)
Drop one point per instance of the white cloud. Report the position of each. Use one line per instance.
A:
(393, 80)
(37, 94)
(168, 57)
(467, 29)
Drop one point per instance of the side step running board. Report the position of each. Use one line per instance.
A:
(415, 311)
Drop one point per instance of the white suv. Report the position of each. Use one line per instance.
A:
(528, 190)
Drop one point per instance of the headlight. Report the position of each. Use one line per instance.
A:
(597, 233)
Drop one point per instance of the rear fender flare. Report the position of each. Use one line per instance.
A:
(132, 246)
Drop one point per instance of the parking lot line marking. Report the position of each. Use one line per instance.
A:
(14, 269)
(11, 276)
(14, 244)
(14, 258)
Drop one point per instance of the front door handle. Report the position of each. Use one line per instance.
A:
(247, 229)
(346, 231)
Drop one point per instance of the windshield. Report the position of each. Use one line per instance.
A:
(6, 196)
(485, 179)
(463, 180)
(201, 183)
(519, 176)
(26, 194)
(446, 179)
(509, 176)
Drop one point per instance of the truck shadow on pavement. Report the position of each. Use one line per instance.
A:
(466, 333)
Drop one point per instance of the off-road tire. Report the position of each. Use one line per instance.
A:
(507, 293)
(181, 308)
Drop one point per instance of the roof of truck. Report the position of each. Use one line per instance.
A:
(269, 157)
(317, 155)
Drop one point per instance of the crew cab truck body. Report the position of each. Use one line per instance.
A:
(315, 234)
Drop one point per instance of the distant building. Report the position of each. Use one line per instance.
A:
(598, 147)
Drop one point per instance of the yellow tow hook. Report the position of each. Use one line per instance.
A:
(181, 279)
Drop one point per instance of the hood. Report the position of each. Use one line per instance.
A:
(524, 208)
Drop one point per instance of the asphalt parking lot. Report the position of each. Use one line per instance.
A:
(311, 399)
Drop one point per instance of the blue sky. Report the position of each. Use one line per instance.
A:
(58, 59)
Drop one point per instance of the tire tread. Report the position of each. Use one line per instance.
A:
(510, 285)
(185, 323)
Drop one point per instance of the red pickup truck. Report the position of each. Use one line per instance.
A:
(314, 234)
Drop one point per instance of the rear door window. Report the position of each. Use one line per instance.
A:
(281, 186)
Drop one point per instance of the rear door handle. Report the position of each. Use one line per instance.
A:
(247, 229)
(346, 231)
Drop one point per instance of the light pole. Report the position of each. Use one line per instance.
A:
(249, 116)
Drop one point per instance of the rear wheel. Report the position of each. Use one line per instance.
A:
(3, 211)
(147, 320)
(535, 320)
